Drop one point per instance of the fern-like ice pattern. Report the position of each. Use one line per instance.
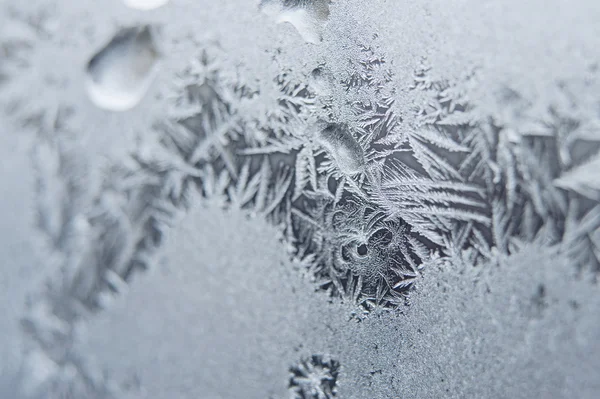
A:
(362, 205)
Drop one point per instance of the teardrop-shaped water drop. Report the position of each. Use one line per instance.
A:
(145, 4)
(120, 73)
(343, 148)
(308, 18)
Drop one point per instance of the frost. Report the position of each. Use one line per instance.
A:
(377, 182)
(403, 188)
(359, 254)
(17, 38)
(583, 179)
(39, 370)
(314, 378)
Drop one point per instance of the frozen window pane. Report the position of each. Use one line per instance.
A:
(312, 199)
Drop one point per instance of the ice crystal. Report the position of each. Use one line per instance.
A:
(314, 378)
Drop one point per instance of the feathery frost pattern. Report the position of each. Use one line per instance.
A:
(362, 204)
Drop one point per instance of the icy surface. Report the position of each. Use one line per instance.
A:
(208, 314)
(299, 198)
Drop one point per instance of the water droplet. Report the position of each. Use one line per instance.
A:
(145, 4)
(308, 18)
(344, 149)
(120, 73)
(321, 81)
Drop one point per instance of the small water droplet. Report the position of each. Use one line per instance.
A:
(321, 81)
(145, 4)
(308, 18)
(344, 149)
(120, 73)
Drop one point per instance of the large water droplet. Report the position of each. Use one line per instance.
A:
(145, 4)
(120, 73)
